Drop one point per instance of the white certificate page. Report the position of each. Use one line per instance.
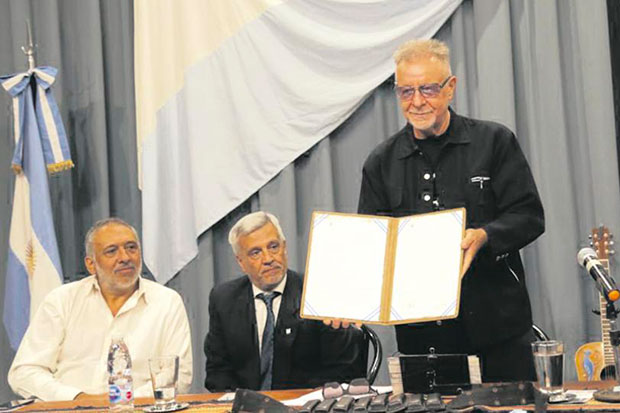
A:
(427, 266)
(344, 272)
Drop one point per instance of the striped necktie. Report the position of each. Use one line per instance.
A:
(266, 354)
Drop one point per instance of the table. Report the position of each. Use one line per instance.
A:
(207, 402)
(591, 406)
(204, 402)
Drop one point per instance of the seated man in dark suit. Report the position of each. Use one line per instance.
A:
(256, 338)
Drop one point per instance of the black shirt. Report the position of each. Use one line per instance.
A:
(481, 167)
(431, 148)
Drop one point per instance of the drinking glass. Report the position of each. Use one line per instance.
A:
(549, 363)
(164, 376)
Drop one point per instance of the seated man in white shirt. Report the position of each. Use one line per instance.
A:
(63, 355)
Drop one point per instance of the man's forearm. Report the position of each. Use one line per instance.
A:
(29, 381)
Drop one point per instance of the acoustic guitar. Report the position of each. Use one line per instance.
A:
(595, 361)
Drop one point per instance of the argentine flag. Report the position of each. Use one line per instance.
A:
(33, 267)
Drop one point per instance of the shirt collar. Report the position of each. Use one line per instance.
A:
(454, 134)
(140, 292)
(279, 288)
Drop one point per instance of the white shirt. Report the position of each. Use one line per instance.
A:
(65, 349)
(261, 308)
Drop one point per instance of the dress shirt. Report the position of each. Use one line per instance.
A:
(261, 309)
(65, 349)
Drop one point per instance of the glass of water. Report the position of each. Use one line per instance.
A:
(164, 375)
(549, 363)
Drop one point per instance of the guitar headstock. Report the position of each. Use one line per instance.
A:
(602, 242)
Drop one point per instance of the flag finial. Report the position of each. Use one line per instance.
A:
(29, 48)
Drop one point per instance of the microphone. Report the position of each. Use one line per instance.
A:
(588, 259)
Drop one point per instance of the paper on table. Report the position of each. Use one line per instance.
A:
(227, 397)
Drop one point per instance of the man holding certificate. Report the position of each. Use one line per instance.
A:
(442, 160)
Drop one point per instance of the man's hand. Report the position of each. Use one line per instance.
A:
(336, 324)
(473, 241)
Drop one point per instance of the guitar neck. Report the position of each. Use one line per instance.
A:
(608, 351)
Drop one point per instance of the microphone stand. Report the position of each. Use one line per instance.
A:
(611, 313)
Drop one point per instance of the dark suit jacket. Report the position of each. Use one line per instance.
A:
(306, 352)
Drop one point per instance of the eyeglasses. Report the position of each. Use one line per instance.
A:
(431, 90)
(356, 387)
(272, 248)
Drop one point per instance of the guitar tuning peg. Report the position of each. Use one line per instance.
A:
(611, 243)
(590, 236)
(612, 252)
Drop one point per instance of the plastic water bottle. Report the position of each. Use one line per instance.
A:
(120, 383)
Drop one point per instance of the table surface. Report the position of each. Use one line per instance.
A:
(207, 402)
(204, 402)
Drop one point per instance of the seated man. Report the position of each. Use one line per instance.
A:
(256, 338)
(63, 354)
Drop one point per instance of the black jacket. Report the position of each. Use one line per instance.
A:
(306, 352)
(482, 168)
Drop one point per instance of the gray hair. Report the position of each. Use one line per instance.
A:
(251, 223)
(423, 48)
(90, 235)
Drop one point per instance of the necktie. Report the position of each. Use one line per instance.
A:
(266, 354)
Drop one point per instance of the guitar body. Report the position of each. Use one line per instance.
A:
(595, 361)
(590, 363)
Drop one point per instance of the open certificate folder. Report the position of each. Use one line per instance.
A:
(383, 270)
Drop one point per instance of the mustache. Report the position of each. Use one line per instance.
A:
(125, 267)
(273, 266)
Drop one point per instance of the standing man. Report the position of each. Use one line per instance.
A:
(256, 338)
(441, 160)
(63, 355)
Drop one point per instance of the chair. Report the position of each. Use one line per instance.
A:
(372, 337)
(539, 333)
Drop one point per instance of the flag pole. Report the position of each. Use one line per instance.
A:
(29, 48)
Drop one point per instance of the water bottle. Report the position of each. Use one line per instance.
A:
(120, 383)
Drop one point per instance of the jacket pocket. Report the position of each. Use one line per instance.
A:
(480, 198)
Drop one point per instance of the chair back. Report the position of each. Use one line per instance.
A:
(375, 342)
(539, 333)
